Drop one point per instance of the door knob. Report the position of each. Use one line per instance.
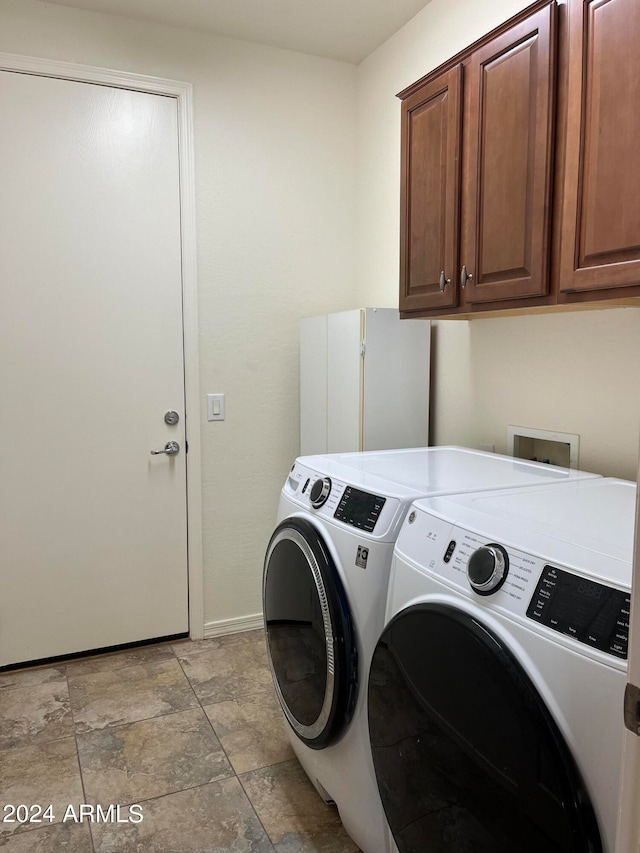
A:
(443, 281)
(170, 448)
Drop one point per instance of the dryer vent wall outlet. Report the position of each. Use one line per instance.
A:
(539, 445)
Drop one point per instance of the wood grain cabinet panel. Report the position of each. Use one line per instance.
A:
(508, 162)
(600, 227)
(476, 172)
(521, 167)
(429, 203)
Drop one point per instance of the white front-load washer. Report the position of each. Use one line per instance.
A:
(324, 593)
(496, 691)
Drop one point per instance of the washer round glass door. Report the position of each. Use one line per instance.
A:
(466, 754)
(310, 636)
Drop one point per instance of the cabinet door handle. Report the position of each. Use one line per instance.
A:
(443, 281)
(465, 277)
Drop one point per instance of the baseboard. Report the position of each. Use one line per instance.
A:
(233, 626)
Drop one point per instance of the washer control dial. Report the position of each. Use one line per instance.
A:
(487, 569)
(320, 492)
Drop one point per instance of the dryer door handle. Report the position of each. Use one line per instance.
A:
(632, 708)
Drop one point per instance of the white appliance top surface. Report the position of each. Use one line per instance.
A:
(587, 522)
(436, 470)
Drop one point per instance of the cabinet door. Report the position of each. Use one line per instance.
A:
(600, 248)
(507, 175)
(396, 381)
(345, 332)
(313, 385)
(429, 217)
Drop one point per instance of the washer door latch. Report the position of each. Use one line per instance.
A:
(632, 708)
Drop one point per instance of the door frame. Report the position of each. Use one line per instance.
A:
(183, 94)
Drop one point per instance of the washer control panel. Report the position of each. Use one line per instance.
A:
(591, 612)
(374, 515)
(359, 509)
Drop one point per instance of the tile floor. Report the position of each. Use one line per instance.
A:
(191, 732)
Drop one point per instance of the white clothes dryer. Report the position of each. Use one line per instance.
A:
(324, 593)
(496, 691)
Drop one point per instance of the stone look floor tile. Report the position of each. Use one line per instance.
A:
(151, 758)
(31, 677)
(119, 660)
(215, 817)
(35, 714)
(40, 775)
(126, 695)
(142, 736)
(251, 730)
(57, 838)
(293, 813)
(187, 648)
(228, 672)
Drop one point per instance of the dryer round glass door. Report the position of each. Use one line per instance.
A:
(310, 636)
(466, 754)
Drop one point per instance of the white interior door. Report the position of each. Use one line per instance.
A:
(93, 527)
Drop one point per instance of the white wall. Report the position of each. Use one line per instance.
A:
(576, 372)
(275, 172)
(281, 184)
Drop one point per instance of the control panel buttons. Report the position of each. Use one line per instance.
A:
(320, 491)
(451, 547)
(487, 569)
(590, 612)
(359, 509)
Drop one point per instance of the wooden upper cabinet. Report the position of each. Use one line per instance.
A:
(508, 159)
(476, 172)
(600, 226)
(429, 202)
(506, 205)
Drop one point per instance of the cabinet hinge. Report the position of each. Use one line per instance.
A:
(632, 708)
(363, 349)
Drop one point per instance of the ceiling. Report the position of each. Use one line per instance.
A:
(347, 30)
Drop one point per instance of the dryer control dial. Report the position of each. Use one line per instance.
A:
(320, 491)
(487, 569)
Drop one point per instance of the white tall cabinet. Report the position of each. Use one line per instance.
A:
(364, 381)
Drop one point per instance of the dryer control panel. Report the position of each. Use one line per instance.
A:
(533, 590)
(591, 612)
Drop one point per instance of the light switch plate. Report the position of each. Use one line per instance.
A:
(215, 407)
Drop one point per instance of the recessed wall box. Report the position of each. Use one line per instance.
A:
(540, 445)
